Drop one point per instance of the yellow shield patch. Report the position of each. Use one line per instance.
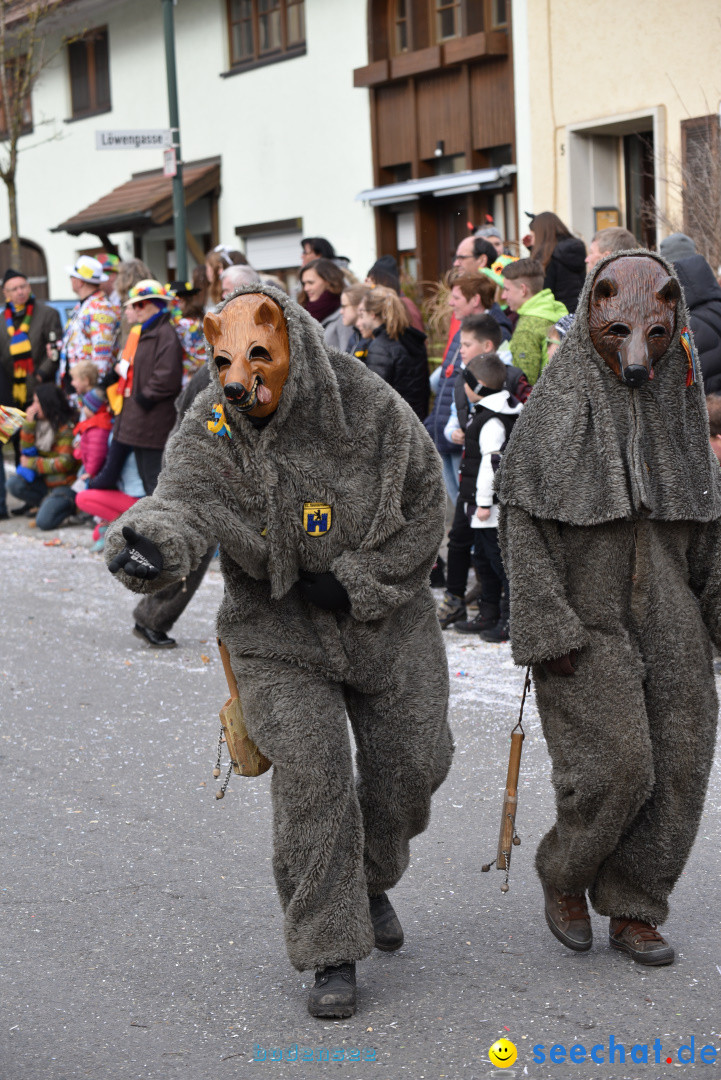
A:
(317, 518)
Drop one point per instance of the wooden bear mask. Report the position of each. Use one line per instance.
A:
(632, 316)
(250, 349)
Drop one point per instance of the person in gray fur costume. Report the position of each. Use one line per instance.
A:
(610, 528)
(324, 617)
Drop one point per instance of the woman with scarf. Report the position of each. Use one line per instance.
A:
(47, 467)
(322, 283)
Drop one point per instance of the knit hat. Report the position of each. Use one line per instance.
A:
(564, 324)
(87, 269)
(147, 290)
(677, 246)
(110, 264)
(13, 273)
(384, 271)
(92, 401)
(488, 230)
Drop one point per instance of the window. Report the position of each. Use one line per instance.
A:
(499, 14)
(400, 27)
(262, 30)
(89, 74)
(448, 19)
(13, 76)
(701, 176)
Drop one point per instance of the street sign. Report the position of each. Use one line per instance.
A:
(170, 162)
(141, 139)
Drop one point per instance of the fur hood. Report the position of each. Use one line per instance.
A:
(588, 449)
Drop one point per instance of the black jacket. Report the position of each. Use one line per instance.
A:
(403, 364)
(703, 296)
(471, 460)
(566, 271)
(45, 320)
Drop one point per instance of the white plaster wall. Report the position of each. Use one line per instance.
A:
(294, 137)
(604, 58)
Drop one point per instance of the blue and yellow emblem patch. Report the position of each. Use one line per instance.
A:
(218, 425)
(317, 518)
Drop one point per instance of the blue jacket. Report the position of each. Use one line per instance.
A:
(441, 411)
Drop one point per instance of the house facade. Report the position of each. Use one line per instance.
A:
(615, 105)
(440, 83)
(275, 139)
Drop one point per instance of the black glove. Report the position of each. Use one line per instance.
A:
(140, 558)
(324, 590)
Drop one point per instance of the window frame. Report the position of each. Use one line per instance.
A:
(394, 20)
(457, 6)
(273, 55)
(89, 40)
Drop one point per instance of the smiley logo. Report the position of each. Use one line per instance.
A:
(503, 1053)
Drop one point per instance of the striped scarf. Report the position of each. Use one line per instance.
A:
(20, 347)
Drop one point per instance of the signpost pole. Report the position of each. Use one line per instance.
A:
(178, 192)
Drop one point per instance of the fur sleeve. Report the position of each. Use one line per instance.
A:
(395, 558)
(704, 557)
(543, 625)
(191, 508)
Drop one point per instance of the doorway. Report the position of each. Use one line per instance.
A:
(32, 263)
(638, 160)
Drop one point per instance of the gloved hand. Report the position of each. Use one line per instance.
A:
(140, 557)
(324, 590)
(562, 665)
(27, 474)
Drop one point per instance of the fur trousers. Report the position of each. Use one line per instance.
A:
(337, 840)
(631, 741)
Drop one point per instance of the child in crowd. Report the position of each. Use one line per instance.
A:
(107, 505)
(480, 334)
(493, 412)
(537, 310)
(47, 467)
(93, 429)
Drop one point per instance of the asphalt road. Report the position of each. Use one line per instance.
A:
(141, 933)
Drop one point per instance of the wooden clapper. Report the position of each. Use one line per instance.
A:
(245, 757)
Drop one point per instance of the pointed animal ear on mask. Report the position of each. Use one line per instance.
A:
(269, 313)
(604, 289)
(670, 291)
(211, 327)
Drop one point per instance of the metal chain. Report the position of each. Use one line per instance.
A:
(221, 740)
(220, 794)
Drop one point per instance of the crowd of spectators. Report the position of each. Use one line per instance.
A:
(100, 396)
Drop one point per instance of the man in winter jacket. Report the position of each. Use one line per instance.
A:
(703, 296)
(537, 310)
(325, 495)
(610, 529)
(28, 327)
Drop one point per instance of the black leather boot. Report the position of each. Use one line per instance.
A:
(333, 997)
(386, 925)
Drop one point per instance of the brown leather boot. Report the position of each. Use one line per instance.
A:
(568, 918)
(641, 940)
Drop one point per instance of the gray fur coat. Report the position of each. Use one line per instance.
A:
(340, 437)
(610, 530)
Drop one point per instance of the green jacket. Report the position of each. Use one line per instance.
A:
(528, 344)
